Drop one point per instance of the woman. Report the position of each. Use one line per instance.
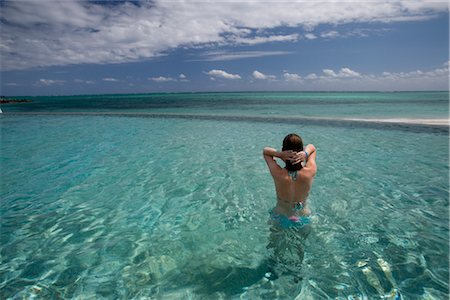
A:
(290, 217)
(293, 182)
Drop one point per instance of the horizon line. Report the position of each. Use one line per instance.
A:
(229, 92)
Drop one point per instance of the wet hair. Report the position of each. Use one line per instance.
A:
(295, 143)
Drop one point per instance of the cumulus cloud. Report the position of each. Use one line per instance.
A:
(48, 82)
(183, 78)
(292, 77)
(330, 34)
(110, 79)
(56, 33)
(348, 79)
(162, 79)
(311, 76)
(310, 36)
(346, 72)
(258, 75)
(83, 81)
(437, 72)
(329, 73)
(222, 74)
(343, 73)
(435, 79)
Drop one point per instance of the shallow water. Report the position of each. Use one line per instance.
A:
(306, 104)
(123, 207)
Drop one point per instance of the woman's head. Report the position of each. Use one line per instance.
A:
(295, 143)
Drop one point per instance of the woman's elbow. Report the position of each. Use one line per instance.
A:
(268, 151)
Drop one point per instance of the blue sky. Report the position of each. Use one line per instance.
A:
(74, 47)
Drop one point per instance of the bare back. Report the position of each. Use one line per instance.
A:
(290, 191)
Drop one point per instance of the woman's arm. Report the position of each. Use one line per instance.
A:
(311, 163)
(284, 155)
(270, 153)
(309, 149)
(267, 151)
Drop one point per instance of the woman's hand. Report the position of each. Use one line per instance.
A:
(298, 157)
(287, 155)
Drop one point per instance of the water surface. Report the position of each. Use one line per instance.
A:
(108, 206)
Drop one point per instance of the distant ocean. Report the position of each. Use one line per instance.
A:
(167, 195)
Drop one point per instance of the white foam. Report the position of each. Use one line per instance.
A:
(405, 121)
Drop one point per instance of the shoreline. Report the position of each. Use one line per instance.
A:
(13, 101)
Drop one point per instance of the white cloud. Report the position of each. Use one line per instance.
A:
(348, 79)
(258, 75)
(162, 79)
(110, 79)
(330, 34)
(83, 81)
(292, 77)
(266, 39)
(329, 73)
(365, 32)
(343, 73)
(311, 76)
(310, 36)
(437, 72)
(224, 55)
(223, 74)
(48, 82)
(435, 79)
(183, 78)
(346, 72)
(11, 84)
(358, 32)
(80, 32)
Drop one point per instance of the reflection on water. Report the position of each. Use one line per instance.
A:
(287, 249)
(128, 208)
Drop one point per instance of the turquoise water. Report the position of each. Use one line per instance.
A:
(312, 104)
(116, 206)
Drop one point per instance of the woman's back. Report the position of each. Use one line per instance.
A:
(292, 188)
